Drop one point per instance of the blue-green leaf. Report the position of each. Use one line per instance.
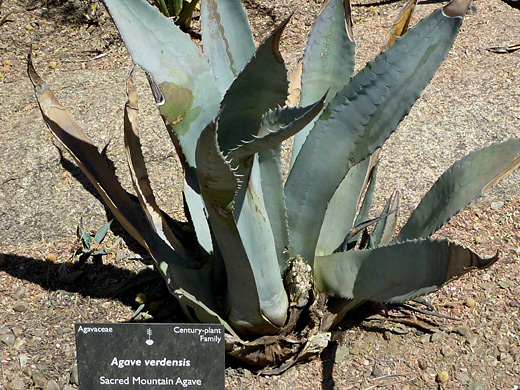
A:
(175, 63)
(463, 182)
(395, 273)
(328, 61)
(261, 86)
(358, 121)
(226, 39)
(245, 295)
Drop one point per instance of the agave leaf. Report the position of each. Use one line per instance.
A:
(102, 232)
(464, 181)
(84, 235)
(270, 163)
(358, 121)
(93, 165)
(261, 86)
(176, 64)
(369, 188)
(226, 38)
(341, 210)
(328, 60)
(195, 211)
(385, 228)
(395, 273)
(276, 126)
(218, 186)
(401, 23)
(257, 236)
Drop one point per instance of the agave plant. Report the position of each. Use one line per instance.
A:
(281, 263)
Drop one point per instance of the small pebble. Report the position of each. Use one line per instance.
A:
(51, 385)
(497, 205)
(475, 386)
(51, 257)
(447, 351)
(19, 306)
(53, 64)
(19, 293)
(38, 378)
(425, 339)
(442, 377)
(377, 371)
(340, 353)
(470, 302)
(487, 285)
(422, 363)
(462, 330)
(18, 384)
(462, 378)
(23, 359)
(503, 356)
(8, 339)
(436, 337)
(74, 377)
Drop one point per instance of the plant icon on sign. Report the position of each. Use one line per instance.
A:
(149, 333)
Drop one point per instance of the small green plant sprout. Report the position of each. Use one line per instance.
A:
(91, 245)
(281, 262)
(180, 10)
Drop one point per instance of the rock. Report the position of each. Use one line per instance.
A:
(74, 377)
(475, 386)
(378, 371)
(447, 351)
(470, 302)
(425, 339)
(69, 387)
(18, 384)
(487, 285)
(505, 284)
(497, 205)
(51, 257)
(339, 354)
(51, 385)
(435, 337)
(38, 378)
(8, 339)
(442, 377)
(422, 363)
(19, 306)
(462, 378)
(503, 356)
(462, 330)
(23, 358)
(19, 293)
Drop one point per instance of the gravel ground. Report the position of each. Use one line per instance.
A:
(471, 102)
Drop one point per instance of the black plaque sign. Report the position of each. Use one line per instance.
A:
(150, 356)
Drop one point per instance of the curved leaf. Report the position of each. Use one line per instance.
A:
(226, 38)
(276, 126)
(245, 297)
(176, 64)
(342, 209)
(270, 163)
(328, 61)
(139, 173)
(463, 182)
(385, 228)
(401, 23)
(358, 121)
(395, 273)
(261, 86)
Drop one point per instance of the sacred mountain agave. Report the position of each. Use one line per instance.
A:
(285, 261)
